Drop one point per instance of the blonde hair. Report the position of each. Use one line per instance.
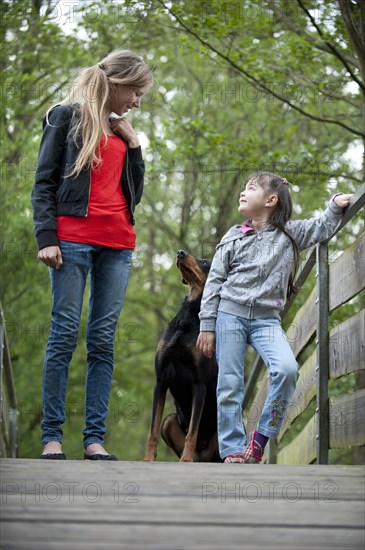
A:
(92, 91)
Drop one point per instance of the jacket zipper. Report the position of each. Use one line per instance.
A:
(250, 309)
(129, 184)
(88, 198)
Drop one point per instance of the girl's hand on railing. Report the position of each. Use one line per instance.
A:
(342, 200)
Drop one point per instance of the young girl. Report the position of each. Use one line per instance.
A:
(88, 181)
(249, 281)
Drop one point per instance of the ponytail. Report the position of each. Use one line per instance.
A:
(91, 95)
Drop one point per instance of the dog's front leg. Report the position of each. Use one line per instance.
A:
(199, 392)
(159, 397)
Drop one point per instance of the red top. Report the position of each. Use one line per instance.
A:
(107, 221)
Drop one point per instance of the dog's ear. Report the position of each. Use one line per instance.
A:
(184, 282)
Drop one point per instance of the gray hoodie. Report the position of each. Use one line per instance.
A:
(250, 269)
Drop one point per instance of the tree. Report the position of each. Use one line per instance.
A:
(329, 34)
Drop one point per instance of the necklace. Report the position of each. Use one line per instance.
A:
(259, 232)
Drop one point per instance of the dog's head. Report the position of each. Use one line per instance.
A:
(194, 272)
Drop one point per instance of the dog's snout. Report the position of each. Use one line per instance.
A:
(180, 254)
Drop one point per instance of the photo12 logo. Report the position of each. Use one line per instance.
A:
(69, 491)
(270, 491)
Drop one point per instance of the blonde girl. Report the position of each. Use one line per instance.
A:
(88, 181)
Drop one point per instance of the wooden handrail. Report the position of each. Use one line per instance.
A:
(8, 402)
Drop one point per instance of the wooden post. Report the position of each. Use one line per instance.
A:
(322, 364)
(7, 389)
(272, 451)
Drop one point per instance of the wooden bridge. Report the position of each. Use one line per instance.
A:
(135, 505)
(295, 500)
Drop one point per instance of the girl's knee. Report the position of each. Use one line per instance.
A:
(288, 371)
(293, 371)
(100, 340)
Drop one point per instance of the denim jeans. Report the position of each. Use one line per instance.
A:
(109, 273)
(269, 340)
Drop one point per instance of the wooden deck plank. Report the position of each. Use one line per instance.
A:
(183, 537)
(247, 509)
(132, 505)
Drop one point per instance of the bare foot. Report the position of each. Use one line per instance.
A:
(53, 447)
(95, 449)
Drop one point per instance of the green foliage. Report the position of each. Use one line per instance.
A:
(235, 91)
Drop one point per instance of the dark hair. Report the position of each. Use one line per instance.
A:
(282, 213)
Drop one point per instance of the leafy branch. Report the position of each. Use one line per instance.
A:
(260, 85)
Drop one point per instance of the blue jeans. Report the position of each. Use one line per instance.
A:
(109, 273)
(269, 340)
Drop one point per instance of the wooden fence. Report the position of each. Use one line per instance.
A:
(337, 421)
(8, 402)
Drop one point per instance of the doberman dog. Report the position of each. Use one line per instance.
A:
(191, 377)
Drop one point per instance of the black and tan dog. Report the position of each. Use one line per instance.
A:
(191, 377)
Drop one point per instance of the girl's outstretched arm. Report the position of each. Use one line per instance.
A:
(307, 233)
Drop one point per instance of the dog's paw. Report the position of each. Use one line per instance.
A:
(186, 458)
(149, 458)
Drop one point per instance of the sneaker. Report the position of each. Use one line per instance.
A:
(253, 452)
(234, 458)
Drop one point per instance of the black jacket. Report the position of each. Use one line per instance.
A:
(55, 193)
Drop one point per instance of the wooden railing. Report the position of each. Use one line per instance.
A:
(8, 402)
(337, 421)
